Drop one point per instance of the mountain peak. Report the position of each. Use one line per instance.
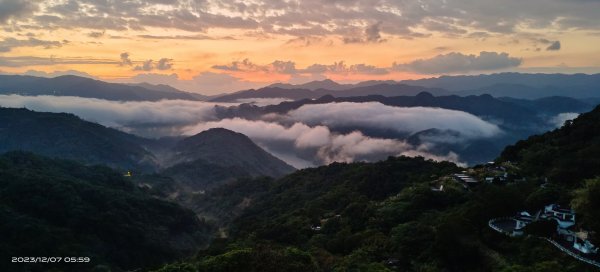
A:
(213, 135)
(226, 148)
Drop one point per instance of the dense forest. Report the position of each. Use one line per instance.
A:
(378, 217)
(62, 208)
(568, 154)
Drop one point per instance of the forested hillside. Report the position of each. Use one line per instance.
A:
(69, 137)
(569, 154)
(58, 208)
(383, 216)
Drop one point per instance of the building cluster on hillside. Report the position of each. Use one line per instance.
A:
(565, 219)
(322, 221)
(465, 179)
(489, 172)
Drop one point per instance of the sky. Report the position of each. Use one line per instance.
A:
(210, 46)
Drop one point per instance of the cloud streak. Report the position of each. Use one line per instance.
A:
(129, 116)
(460, 63)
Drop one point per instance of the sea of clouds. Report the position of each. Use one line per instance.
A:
(308, 136)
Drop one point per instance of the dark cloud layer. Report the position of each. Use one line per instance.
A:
(11, 9)
(371, 18)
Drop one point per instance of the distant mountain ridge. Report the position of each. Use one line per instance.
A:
(329, 84)
(382, 89)
(509, 110)
(515, 85)
(517, 118)
(518, 85)
(70, 85)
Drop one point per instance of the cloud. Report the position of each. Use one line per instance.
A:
(96, 34)
(404, 19)
(560, 119)
(130, 116)
(25, 61)
(289, 68)
(460, 63)
(322, 145)
(164, 64)
(15, 9)
(125, 60)
(375, 115)
(8, 44)
(146, 66)
(372, 34)
(299, 138)
(149, 65)
(555, 46)
(186, 37)
(243, 65)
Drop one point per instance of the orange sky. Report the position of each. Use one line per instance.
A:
(369, 46)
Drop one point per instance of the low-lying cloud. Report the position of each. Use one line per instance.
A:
(129, 116)
(323, 145)
(560, 119)
(310, 135)
(403, 120)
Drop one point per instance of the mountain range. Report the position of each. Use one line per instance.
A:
(399, 214)
(515, 85)
(90, 88)
(518, 118)
(383, 89)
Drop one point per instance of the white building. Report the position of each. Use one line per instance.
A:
(564, 217)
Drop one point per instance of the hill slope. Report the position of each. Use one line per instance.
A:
(68, 137)
(568, 154)
(218, 155)
(380, 216)
(62, 208)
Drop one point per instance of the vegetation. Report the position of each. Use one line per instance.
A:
(567, 155)
(59, 208)
(66, 136)
(383, 217)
